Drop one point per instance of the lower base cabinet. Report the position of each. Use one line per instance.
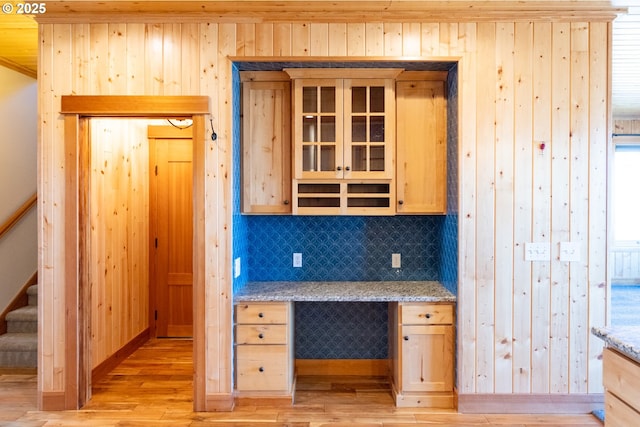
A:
(621, 378)
(421, 348)
(264, 350)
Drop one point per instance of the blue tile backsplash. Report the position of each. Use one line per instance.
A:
(346, 248)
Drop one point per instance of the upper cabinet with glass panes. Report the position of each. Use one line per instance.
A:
(344, 128)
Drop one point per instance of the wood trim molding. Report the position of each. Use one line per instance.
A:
(362, 367)
(327, 11)
(77, 111)
(116, 358)
(134, 106)
(18, 214)
(530, 403)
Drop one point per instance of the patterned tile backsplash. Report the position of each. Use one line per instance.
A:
(343, 248)
(347, 248)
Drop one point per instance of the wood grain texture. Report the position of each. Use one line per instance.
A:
(502, 122)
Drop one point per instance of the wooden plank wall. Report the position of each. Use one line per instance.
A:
(119, 210)
(523, 327)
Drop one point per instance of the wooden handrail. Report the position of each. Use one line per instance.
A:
(19, 213)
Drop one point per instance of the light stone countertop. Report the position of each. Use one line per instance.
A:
(423, 291)
(625, 339)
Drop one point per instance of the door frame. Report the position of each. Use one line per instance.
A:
(77, 111)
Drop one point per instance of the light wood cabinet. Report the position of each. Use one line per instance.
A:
(421, 338)
(264, 349)
(266, 142)
(343, 141)
(622, 389)
(421, 144)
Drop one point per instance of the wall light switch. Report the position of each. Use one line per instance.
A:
(297, 259)
(570, 251)
(537, 252)
(396, 261)
(236, 267)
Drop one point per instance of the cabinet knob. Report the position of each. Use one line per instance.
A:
(261, 369)
(406, 338)
(286, 202)
(348, 168)
(261, 315)
(339, 168)
(428, 315)
(260, 336)
(401, 202)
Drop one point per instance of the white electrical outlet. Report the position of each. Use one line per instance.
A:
(569, 251)
(297, 259)
(236, 268)
(396, 261)
(537, 251)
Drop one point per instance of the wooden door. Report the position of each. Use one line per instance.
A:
(171, 231)
(427, 358)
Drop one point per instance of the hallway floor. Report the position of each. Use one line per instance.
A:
(153, 388)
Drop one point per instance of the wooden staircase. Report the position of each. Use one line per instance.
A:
(19, 345)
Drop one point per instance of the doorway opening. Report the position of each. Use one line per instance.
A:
(81, 245)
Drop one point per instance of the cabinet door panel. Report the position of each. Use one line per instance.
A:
(427, 358)
(266, 147)
(421, 147)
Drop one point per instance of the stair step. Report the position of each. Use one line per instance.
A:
(23, 320)
(19, 350)
(32, 293)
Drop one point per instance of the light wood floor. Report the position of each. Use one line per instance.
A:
(153, 388)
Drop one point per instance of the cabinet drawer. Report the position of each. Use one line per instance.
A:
(261, 334)
(262, 368)
(622, 377)
(262, 313)
(426, 314)
(618, 413)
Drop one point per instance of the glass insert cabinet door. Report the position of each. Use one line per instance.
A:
(344, 128)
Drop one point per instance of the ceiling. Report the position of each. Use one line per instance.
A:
(19, 51)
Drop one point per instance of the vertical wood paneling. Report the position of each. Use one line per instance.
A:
(392, 39)
(374, 39)
(541, 209)
(337, 39)
(356, 39)
(579, 203)
(264, 40)
(522, 326)
(560, 209)
(598, 204)
(523, 209)
(300, 40)
(504, 207)
(485, 205)
(468, 193)
(319, 39)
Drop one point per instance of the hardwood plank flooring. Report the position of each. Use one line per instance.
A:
(153, 387)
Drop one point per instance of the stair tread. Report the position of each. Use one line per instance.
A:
(19, 342)
(28, 313)
(32, 290)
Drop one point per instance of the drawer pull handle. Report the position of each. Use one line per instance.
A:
(428, 315)
(406, 338)
(260, 336)
(261, 315)
(261, 369)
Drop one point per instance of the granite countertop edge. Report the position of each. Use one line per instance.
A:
(346, 291)
(625, 339)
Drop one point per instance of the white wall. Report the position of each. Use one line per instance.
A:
(18, 142)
